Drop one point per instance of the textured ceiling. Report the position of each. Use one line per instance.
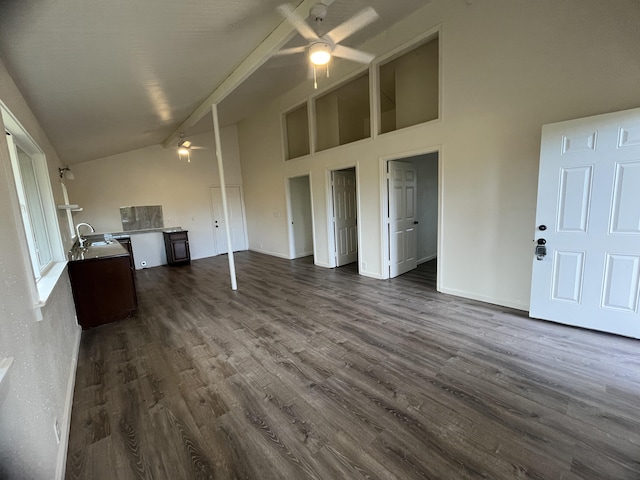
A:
(109, 77)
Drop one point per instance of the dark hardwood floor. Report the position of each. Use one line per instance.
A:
(311, 373)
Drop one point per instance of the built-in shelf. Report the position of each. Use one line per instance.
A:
(73, 208)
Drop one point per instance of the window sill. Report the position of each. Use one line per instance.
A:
(46, 284)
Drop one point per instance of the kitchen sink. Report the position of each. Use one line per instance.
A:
(101, 243)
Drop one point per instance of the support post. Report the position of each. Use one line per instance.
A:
(223, 188)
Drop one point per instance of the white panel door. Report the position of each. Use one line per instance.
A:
(236, 220)
(403, 198)
(345, 218)
(587, 268)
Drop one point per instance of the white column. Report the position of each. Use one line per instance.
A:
(223, 188)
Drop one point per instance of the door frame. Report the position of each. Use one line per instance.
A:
(244, 216)
(291, 236)
(384, 206)
(330, 223)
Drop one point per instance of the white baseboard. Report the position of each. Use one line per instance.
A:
(482, 298)
(375, 275)
(65, 423)
(428, 258)
(302, 254)
(267, 252)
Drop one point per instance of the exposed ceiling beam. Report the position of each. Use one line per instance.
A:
(276, 39)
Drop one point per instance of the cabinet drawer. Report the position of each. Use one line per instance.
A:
(177, 236)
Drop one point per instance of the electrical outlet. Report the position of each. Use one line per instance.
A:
(56, 428)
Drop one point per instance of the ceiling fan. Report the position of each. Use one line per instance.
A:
(185, 147)
(321, 48)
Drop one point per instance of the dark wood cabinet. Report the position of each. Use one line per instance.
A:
(103, 290)
(176, 245)
(126, 243)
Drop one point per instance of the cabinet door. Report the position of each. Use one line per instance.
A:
(180, 250)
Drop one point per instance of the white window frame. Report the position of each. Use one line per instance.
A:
(44, 279)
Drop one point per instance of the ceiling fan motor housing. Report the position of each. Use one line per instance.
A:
(318, 12)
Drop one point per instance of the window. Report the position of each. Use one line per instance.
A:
(297, 132)
(343, 115)
(409, 88)
(37, 208)
(33, 213)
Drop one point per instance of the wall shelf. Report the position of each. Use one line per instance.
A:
(73, 208)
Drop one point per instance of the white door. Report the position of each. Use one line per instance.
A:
(345, 218)
(403, 197)
(588, 221)
(301, 216)
(236, 220)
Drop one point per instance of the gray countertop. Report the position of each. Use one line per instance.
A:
(98, 251)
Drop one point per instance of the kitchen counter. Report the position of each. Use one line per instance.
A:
(98, 251)
(102, 282)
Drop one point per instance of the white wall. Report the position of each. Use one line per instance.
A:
(155, 176)
(44, 352)
(507, 68)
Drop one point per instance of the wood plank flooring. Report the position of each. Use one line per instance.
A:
(311, 373)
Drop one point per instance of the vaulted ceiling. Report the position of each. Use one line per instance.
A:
(105, 77)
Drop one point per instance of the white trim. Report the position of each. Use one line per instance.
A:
(427, 259)
(384, 202)
(285, 132)
(292, 242)
(48, 282)
(269, 252)
(65, 423)
(485, 299)
(43, 282)
(330, 220)
(422, 39)
(406, 47)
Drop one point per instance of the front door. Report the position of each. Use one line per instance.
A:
(586, 264)
(236, 220)
(403, 197)
(345, 218)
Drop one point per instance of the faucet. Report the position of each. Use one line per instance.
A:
(81, 239)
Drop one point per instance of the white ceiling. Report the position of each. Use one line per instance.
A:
(106, 77)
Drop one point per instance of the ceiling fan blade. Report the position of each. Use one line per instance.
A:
(297, 21)
(352, 54)
(198, 148)
(287, 51)
(355, 23)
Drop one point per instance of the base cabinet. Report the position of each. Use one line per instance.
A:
(126, 243)
(103, 290)
(176, 245)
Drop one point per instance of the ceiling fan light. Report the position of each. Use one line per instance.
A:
(320, 53)
(183, 151)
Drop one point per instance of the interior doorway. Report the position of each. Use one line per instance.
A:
(411, 213)
(300, 217)
(344, 214)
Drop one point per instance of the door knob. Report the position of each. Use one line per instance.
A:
(541, 249)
